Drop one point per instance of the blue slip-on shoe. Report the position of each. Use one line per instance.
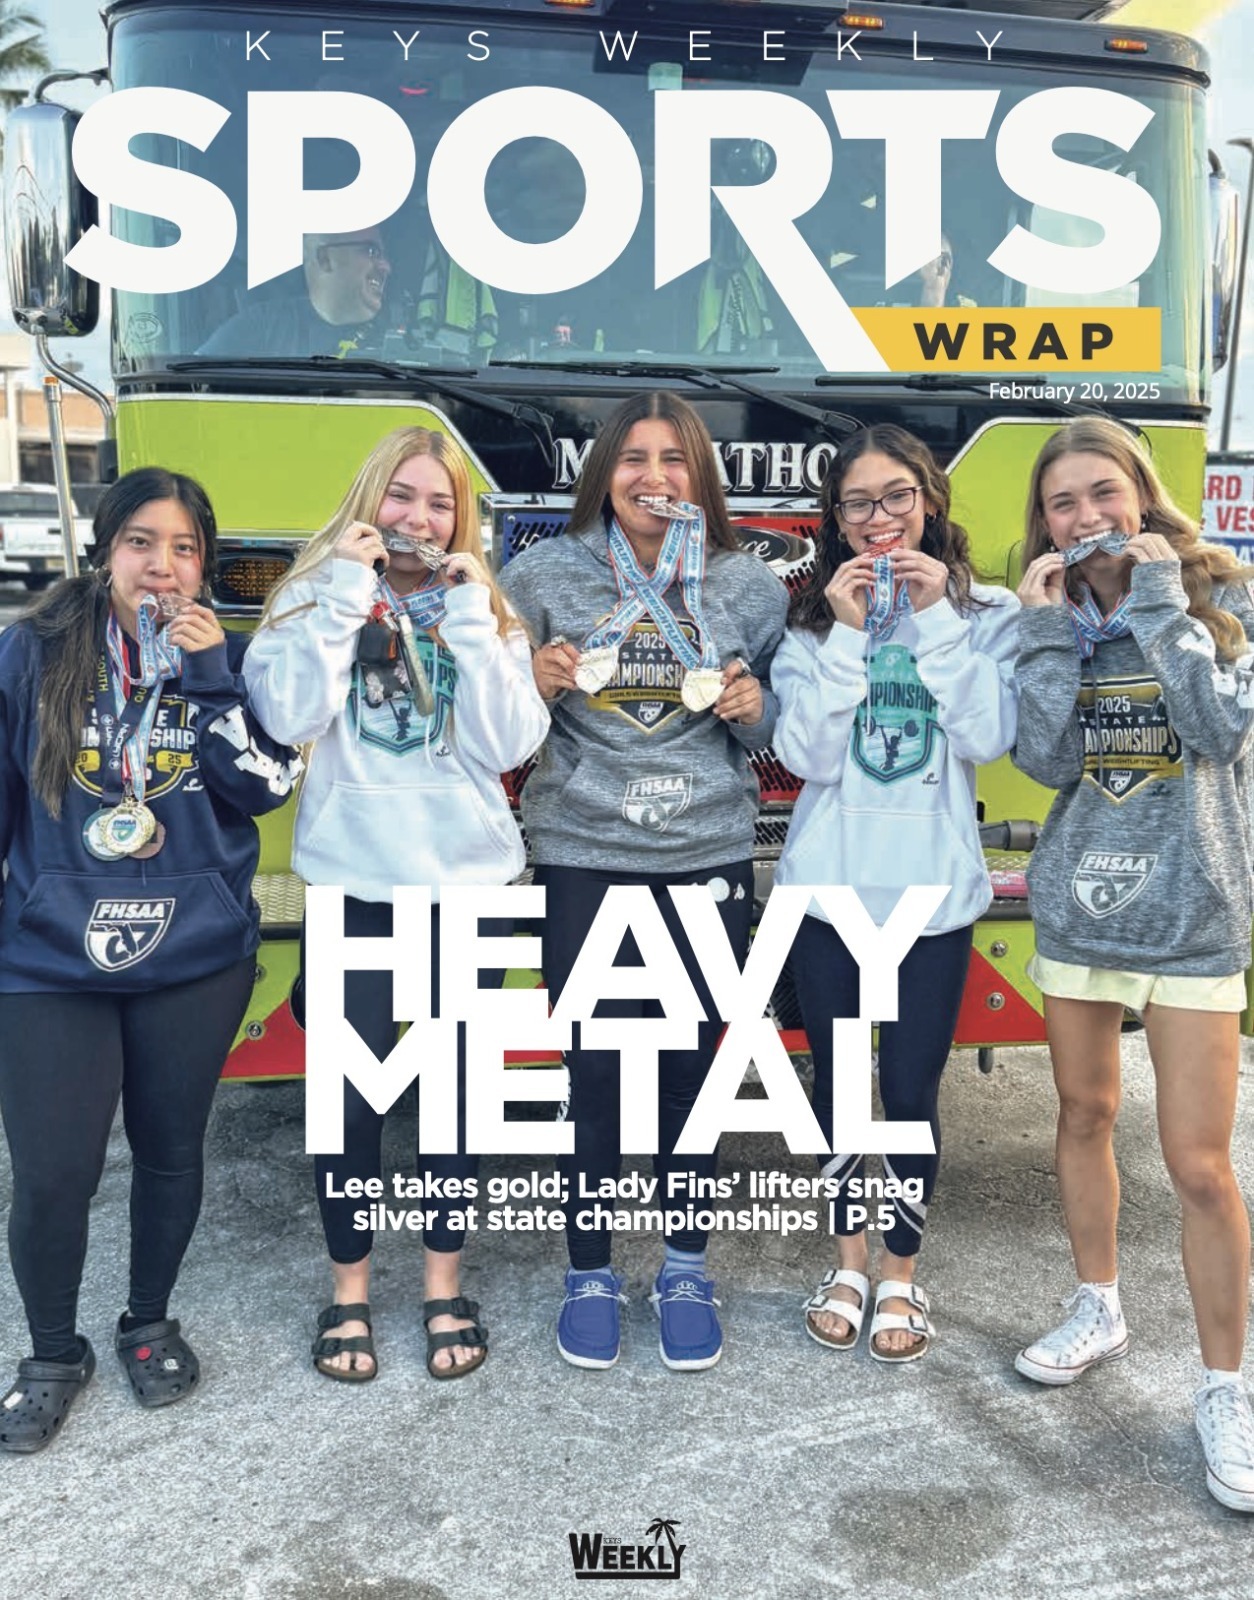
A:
(588, 1324)
(690, 1337)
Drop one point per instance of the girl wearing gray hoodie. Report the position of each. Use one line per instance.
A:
(1136, 686)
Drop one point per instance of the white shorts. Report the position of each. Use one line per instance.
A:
(1136, 990)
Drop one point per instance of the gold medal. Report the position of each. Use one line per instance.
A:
(128, 827)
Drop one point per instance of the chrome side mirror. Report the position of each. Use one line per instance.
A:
(46, 213)
(1224, 250)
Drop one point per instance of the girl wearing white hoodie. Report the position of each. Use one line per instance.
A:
(403, 787)
(895, 680)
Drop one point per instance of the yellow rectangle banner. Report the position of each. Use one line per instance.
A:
(1040, 339)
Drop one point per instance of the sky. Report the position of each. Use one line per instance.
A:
(1226, 27)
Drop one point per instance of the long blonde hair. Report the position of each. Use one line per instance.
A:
(365, 498)
(1203, 567)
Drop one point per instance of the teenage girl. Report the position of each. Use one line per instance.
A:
(895, 683)
(655, 631)
(130, 771)
(1137, 705)
(402, 789)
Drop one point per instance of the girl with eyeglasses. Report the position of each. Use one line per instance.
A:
(895, 681)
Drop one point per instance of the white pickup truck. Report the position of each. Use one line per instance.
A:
(31, 550)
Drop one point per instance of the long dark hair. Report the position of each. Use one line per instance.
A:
(592, 501)
(942, 538)
(69, 621)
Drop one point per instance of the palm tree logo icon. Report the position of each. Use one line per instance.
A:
(660, 1526)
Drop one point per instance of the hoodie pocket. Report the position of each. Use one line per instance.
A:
(882, 852)
(128, 934)
(1122, 906)
(419, 833)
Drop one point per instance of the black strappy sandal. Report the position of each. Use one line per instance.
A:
(325, 1347)
(472, 1337)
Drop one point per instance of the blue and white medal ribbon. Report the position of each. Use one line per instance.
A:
(426, 608)
(126, 712)
(682, 555)
(888, 603)
(1091, 627)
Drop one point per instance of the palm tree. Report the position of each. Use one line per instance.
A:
(660, 1526)
(22, 54)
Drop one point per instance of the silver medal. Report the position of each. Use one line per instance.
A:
(94, 836)
(1114, 544)
(428, 552)
(596, 667)
(167, 604)
(701, 687)
(660, 506)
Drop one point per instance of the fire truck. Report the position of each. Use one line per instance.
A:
(580, 199)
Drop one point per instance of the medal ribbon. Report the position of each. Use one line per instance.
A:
(425, 607)
(682, 553)
(1091, 627)
(126, 705)
(888, 603)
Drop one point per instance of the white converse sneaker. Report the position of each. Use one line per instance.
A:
(1225, 1425)
(1089, 1335)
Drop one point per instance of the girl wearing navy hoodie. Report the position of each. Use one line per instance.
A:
(130, 772)
(895, 680)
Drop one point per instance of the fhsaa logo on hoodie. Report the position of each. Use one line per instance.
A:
(654, 803)
(1106, 882)
(122, 932)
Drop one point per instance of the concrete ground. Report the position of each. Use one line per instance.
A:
(789, 1471)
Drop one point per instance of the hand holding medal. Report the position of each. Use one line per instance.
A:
(194, 627)
(360, 542)
(925, 578)
(849, 592)
(554, 668)
(741, 696)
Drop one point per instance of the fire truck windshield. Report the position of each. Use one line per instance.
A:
(393, 291)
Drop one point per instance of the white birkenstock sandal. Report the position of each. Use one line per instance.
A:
(917, 1322)
(853, 1314)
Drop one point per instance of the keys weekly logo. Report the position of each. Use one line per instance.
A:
(601, 1555)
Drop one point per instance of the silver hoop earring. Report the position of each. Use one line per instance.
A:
(104, 577)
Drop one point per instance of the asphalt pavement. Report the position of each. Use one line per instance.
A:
(787, 1471)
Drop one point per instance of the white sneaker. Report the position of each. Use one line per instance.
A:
(1089, 1335)
(1225, 1425)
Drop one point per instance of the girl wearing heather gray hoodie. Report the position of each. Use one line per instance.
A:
(1137, 703)
(895, 680)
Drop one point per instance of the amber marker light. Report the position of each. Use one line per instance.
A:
(1128, 47)
(858, 19)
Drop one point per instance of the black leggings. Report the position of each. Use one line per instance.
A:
(64, 1060)
(912, 1053)
(368, 1006)
(574, 896)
